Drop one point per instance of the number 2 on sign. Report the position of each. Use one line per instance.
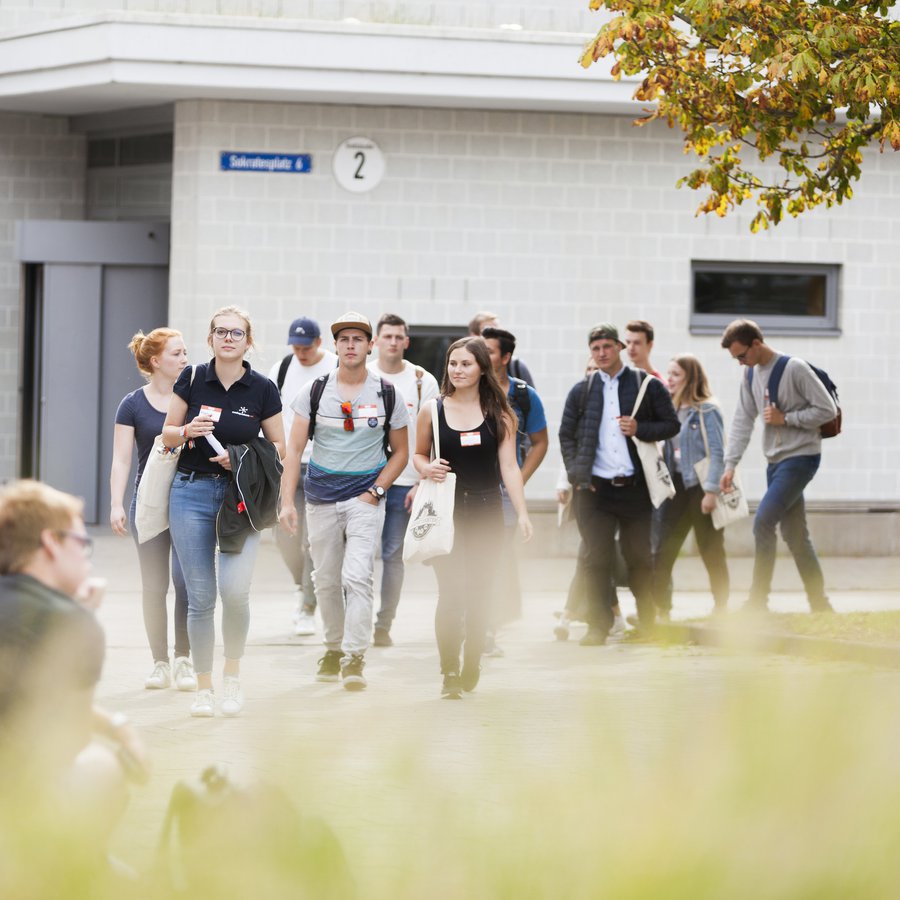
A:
(362, 159)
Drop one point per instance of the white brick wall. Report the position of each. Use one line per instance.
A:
(41, 177)
(537, 15)
(553, 221)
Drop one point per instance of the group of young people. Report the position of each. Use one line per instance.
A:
(342, 494)
(356, 436)
(604, 416)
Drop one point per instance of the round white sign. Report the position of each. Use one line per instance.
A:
(358, 164)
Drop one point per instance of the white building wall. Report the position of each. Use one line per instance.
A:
(537, 15)
(553, 221)
(41, 177)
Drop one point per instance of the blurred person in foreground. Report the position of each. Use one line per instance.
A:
(56, 744)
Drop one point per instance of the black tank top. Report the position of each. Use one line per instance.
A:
(475, 464)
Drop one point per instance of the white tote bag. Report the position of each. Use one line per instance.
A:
(430, 529)
(151, 514)
(730, 507)
(656, 472)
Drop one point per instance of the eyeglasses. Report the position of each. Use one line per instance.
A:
(237, 334)
(86, 542)
(347, 411)
(740, 357)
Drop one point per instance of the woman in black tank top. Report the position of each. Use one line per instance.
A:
(477, 434)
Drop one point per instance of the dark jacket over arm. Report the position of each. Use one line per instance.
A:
(252, 498)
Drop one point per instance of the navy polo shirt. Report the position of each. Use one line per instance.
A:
(244, 406)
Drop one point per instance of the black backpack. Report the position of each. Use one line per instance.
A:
(387, 394)
(520, 399)
(282, 371)
(829, 429)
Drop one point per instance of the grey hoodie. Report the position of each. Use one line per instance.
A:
(801, 397)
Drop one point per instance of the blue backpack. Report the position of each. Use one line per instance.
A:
(829, 429)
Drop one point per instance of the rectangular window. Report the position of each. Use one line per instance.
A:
(783, 298)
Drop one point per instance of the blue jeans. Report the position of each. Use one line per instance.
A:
(783, 504)
(396, 518)
(153, 556)
(193, 505)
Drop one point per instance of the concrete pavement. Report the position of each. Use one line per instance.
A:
(300, 732)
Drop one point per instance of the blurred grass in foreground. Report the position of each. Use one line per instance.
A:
(870, 627)
(768, 785)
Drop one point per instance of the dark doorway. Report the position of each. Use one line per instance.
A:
(428, 345)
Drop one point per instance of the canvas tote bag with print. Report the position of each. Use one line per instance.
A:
(656, 472)
(430, 529)
(730, 507)
(151, 513)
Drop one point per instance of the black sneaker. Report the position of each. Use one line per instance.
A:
(452, 687)
(382, 638)
(595, 637)
(352, 672)
(330, 666)
(471, 672)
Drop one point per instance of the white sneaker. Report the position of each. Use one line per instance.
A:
(619, 626)
(185, 679)
(160, 677)
(304, 623)
(233, 701)
(204, 705)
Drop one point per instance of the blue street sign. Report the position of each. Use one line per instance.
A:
(294, 163)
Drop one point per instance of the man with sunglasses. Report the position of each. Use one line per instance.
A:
(792, 446)
(52, 736)
(347, 478)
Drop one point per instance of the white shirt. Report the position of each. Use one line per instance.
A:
(408, 392)
(612, 457)
(296, 376)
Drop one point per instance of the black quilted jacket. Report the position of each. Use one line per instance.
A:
(580, 427)
(251, 500)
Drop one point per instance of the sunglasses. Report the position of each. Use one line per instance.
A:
(347, 412)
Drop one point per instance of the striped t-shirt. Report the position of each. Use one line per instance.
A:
(345, 463)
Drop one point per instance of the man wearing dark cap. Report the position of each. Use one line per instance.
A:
(307, 361)
(352, 413)
(602, 463)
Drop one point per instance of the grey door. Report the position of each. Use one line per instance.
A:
(99, 283)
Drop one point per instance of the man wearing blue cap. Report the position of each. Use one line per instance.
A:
(307, 361)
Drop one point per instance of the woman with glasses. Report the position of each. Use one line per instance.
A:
(216, 404)
(702, 434)
(160, 357)
(477, 431)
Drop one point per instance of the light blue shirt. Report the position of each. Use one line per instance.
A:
(612, 457)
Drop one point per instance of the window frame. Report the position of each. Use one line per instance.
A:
(820, 326)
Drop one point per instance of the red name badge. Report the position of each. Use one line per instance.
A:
(470, 438)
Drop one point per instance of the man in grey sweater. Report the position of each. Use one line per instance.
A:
(792, 445)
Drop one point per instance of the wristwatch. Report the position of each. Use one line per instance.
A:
(377, 491)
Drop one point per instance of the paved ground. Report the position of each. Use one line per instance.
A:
(339, 750)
